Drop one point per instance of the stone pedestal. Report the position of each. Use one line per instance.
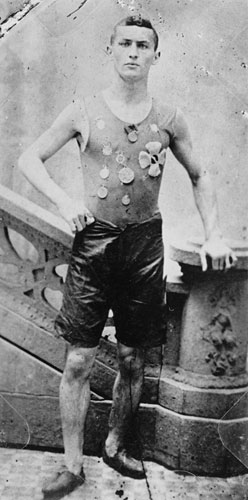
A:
(204, 372)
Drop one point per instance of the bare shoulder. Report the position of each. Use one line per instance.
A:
(73, 114)
(74, 119)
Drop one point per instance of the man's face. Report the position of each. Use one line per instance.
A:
(133, 52)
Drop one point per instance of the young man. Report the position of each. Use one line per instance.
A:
(117, 257)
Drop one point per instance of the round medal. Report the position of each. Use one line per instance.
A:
(102, 192)
(126, 175)
(132, 136)
(125, 200)
(104, 172)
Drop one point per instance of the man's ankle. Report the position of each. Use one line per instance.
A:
(74, 468)
(112, 445)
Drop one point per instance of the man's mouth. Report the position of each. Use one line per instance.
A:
(131, 64)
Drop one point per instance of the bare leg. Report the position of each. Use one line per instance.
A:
(74, 403)
(126, 395)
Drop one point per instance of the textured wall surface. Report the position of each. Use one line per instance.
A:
(58, 51)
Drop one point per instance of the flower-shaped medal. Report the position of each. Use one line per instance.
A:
(153, 159)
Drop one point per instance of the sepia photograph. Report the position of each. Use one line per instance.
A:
(123, 250)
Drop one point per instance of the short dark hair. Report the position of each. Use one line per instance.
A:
(136, 21)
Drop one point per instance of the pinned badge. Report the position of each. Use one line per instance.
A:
(107, 149)
(120, 158)
(126, 175)
(132, 133)
(102, 192)
(133, 136)
(104, 172)
(125, 200)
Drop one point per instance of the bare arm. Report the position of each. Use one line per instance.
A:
(69, 123)
(205, 199)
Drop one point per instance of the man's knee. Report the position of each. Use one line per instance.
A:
(79, 363)
(131, 361)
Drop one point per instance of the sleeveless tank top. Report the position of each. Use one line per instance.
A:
(124, 160)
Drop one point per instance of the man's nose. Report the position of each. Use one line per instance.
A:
(133, 52)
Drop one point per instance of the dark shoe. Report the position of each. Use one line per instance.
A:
(62, 484)
(123, 463)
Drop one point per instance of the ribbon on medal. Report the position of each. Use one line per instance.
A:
(132, 132)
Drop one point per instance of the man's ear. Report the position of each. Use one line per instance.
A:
(109, 50)
(156, 57)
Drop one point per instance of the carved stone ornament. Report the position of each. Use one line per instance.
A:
(220, 335)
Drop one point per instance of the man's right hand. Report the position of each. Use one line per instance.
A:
(76, 214)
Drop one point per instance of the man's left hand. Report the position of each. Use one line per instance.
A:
(221, 255)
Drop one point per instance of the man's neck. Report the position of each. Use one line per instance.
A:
(129, 100)
(128, 91)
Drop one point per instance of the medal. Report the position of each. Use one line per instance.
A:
(104, 172)
(125, 200)
(126, 175)
(132, 136)
(107, 149)
(120, 158)
(132, 133)
(102, 192)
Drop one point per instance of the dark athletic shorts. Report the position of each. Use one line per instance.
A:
(115, 268)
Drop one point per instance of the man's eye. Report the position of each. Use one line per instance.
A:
(143, 46)
(124, 44)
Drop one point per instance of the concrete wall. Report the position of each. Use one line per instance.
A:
(58, 52)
